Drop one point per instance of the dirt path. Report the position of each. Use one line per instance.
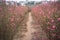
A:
(30, 30)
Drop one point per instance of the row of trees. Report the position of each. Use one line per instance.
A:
(11, 18)
(47, 15)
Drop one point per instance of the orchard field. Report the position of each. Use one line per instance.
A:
(40, 22)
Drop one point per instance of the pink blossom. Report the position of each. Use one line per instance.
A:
(48, 28)
(53, 26)
(48, 16)
(58, 19)
(49, 12)
(0, 8)
(48, 22)
(12, 19)
(52, 20)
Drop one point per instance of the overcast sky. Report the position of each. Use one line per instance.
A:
(23, 0)
(28, 0)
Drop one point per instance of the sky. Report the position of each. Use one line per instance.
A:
(28, 0)
(23, 0)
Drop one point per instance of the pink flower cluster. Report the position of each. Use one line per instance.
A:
(0, 8)
(12, 19)
(58, 19)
